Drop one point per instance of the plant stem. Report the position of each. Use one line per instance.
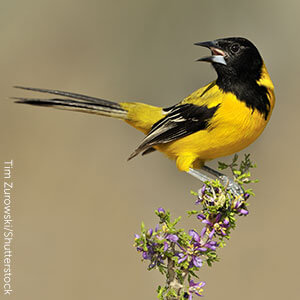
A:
(173, 284)
(172, 281)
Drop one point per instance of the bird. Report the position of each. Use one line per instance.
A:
(219, 119)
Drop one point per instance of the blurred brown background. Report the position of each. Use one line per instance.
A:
(77, 202)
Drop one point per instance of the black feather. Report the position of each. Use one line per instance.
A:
(182, 120)
(80, 97)
(149, 150)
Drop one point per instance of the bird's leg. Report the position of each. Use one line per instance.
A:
(199, 175)
(234, 187)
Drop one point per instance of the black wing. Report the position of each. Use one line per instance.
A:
(181, 120)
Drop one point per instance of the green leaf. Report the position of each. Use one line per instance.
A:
(143, 229)
(192, 212)
(195, 275)
(160, 292)
(222, 166)
(237, 172)
(176, 221)
(193, 193)
(235, 158)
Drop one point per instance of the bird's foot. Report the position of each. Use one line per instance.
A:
(232, 186)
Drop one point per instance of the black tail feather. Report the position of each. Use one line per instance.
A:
(76, 102)
(71, 95)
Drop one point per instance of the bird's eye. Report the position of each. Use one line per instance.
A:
(235, 48)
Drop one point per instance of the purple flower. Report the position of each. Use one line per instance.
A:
(203, 189)
(150, 232)
(244, 212)
(218, 218)
(166, 246)
(211, 234)
(160, 237)
(217, 190)
(194, 235)
(195, 287)
(193, 252)
(136, 236)
(172, 237)
(237, 204)
(212, 245)
(207, 222)
(202, 249)
(152, 265)
(201, 194)
(201, 217)
(182, 258)
(161, 210)
(151, 252)
(226, 222)
(203, 231)
(197, 261)
(246, 196)
(222, 231)
(199, 200)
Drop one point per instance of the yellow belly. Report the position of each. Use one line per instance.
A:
(234, 127)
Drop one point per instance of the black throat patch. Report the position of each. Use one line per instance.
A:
(254, 95)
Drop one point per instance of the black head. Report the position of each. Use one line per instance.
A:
(239, 67)
(235, 58)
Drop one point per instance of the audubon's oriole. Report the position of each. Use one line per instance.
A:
(218, 119)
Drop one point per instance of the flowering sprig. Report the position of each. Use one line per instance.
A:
(177, 254)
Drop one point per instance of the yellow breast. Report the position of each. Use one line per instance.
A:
(233, 127)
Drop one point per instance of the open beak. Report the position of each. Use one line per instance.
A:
(218, 55)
